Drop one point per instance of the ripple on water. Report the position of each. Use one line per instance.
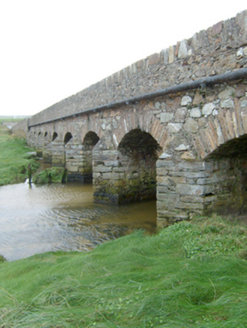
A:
(54, 217)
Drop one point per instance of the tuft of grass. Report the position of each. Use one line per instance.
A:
(187, 275)
(50, 175)
(13, 159)
(2, 258)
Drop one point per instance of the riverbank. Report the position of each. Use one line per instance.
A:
(14, 158)
(191, 274)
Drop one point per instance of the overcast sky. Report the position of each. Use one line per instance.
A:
(51, 49)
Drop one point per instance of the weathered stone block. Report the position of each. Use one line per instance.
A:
(196, 190)
(166, 117)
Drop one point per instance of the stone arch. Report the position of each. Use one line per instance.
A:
(90, 140)
(54, 136)
(227, 165)
(45, 134)
(146, 122)
(68, 136)
(139, 144)
(138, 153)
(228, 124)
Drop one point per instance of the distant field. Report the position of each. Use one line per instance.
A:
(10, 119)
(14, 159)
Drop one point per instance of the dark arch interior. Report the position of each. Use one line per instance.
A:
(140, 145)
(39, 134)
(139, 153)
(227, 166)
(54, 136)
(67, 137)
(90, 140)
(230, 149)
(45, 134)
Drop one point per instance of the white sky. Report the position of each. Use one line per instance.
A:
(51, 49)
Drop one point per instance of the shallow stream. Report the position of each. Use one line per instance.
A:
(36, 219)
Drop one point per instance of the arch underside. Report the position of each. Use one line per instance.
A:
(228, 166)
(128, 173)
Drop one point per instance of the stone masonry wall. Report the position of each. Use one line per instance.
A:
(21, 128)
(194, 174)
(188, 127)
(214, 51)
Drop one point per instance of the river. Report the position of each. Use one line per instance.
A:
(41, 218)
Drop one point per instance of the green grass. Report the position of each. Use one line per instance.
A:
(191, 274)
(50, 175)
(13, 158)
(9, 119)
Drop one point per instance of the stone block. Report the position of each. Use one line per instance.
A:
(186, 189)
(71, 168)
(227, 103)
(208, 108)
(111, 163)
(102, 169)
(164, 163)
(180, 114)
(227, 93)
(166, 117)
(186, 100)
(191, 126)
(191, 199)
(195, 112)
(189, 206)
(191, 166)
(174, 127)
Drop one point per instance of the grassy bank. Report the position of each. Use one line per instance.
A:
(189, 275)
(14, 159)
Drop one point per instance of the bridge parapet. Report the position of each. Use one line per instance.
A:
(211, 52)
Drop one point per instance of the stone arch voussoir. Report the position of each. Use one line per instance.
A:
(146, 122)
(227, 125)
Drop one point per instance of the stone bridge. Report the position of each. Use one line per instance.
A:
(172, 126)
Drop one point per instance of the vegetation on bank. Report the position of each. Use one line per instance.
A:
(14, 158)
(50, 175)
(191, 274)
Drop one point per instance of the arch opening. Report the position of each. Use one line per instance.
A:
(139, 153)
(54, 136)
(68, 136)
(89, 141)
(45, 134)
(227, 166)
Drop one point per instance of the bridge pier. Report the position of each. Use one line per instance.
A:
(215, 185)
(181, 189)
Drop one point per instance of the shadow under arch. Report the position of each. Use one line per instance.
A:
(227, 166)
(68, 136)
(138, 152)
(90, 140)
(88, 143)
(54, 136)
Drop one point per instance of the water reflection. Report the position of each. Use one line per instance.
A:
(54, 217)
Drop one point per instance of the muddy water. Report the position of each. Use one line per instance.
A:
(55, 217)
